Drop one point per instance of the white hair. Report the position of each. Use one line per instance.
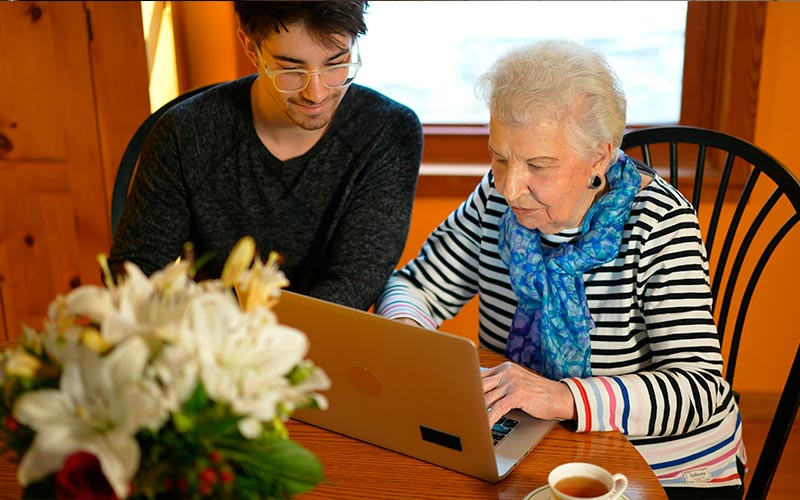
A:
(558, 80)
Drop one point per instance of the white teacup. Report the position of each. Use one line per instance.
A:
(583, 481)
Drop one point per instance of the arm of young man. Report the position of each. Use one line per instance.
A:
(155, 223)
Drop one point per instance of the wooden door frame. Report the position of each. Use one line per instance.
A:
(120, 81)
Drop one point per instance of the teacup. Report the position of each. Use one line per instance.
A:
(584, 481)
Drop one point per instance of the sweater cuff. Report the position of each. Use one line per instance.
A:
(582, 408)
(601, 403)
(397, 302)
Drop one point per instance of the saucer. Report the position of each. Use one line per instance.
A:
(543, 493)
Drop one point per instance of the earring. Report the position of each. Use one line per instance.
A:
(595, 182)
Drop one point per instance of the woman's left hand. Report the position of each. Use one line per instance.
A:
(509, 385)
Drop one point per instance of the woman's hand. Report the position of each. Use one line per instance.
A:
(509, 385)
(409, 321)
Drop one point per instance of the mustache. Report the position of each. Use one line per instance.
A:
(302, 101)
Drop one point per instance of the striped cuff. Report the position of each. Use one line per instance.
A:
(601, 404)
(397, 302)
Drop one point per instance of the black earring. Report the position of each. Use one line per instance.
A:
(596, 182)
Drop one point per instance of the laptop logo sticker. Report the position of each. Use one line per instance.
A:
(365, 381)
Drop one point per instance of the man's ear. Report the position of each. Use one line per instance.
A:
(249, 47)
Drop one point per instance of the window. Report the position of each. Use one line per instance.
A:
(719, 77)
(428, 55)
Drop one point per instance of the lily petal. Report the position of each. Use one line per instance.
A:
(46, 454)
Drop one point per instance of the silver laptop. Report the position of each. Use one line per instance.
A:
(407, 389)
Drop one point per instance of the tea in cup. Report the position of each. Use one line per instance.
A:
(584, 481)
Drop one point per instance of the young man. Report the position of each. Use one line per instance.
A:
(312, 166)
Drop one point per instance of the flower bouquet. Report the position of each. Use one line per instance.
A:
(163, 387)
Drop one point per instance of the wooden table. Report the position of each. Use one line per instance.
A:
(357, 470)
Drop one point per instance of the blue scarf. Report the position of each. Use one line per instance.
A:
(550, 331)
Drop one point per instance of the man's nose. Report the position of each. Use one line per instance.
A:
(316, 91)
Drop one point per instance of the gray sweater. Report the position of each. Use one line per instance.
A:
(338, 214)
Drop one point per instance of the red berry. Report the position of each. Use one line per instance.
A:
(11, 423)
(208, 476)
(204, 489)
(226, 475)
(215, 456)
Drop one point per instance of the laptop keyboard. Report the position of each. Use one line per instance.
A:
(503, 428)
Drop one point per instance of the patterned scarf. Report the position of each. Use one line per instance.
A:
(550, 331)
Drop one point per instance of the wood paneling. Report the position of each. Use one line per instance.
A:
(119, 72)
(68, 105)
(722, 66)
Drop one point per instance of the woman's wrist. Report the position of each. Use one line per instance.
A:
(569, 409)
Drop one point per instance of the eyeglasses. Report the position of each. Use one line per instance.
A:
(335, 76)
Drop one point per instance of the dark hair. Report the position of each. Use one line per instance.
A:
(323, 20)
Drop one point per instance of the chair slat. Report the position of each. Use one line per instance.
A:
(698, 174)
(751, 237)
(719, 200)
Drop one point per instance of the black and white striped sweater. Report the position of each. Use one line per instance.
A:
(656, 362)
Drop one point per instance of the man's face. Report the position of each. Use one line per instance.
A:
(313, 107)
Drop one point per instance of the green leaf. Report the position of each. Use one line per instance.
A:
(197, 401)
(183, 423)
(225, 426)
(284, 467)
(200, 262)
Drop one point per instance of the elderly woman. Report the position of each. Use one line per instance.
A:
(591, 273)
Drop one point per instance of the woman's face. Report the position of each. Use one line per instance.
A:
(543, 179)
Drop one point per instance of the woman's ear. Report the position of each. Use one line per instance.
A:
(249, 47)
(602, 159)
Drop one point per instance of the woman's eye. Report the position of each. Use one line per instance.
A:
(496, 159)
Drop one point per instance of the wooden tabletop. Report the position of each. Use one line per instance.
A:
(357, 470)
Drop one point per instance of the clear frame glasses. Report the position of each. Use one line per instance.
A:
(335, 76)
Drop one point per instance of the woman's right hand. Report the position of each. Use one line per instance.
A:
(510, 385)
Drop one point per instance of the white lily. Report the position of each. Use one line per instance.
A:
(21, 364)
(65, 319)
(141, 306)
(91, 301)
(100, 406)
(245, 358)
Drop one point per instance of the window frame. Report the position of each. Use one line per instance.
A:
(722, 67)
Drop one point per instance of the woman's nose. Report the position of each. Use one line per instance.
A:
(516, 182)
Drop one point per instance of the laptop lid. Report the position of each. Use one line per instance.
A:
(407, 389)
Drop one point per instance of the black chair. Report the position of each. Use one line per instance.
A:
(750, 227)
(130, 158)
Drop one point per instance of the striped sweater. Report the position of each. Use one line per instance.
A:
(656, 362)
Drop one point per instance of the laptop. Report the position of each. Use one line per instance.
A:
(407, 389)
